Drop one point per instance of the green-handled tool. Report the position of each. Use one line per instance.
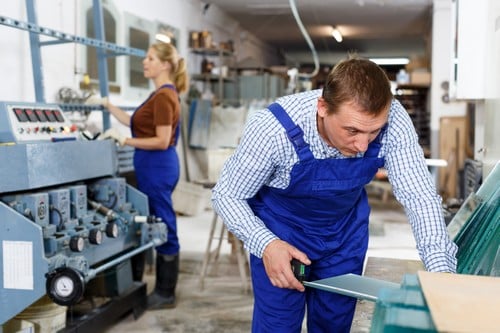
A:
(353, 285)
(299, 270)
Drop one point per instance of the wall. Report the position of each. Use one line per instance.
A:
(489, 150)
(441, 70)
(62, 64)
(487, 110)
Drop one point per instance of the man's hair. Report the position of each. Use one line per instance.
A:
(359, 81)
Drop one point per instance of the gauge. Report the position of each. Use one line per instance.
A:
(76, 244)
(65, 286)
(112, 230)
(95, 236)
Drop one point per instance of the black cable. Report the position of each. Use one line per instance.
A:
(60, 225)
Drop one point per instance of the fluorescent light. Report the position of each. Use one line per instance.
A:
(336, 34)
(390, 61)
(163, 38)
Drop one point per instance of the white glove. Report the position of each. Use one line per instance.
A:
(96, 100)
(113, 133)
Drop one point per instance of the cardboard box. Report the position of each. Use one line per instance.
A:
(420, 77)
(190, 199)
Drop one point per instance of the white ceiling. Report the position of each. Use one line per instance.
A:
(370, 27)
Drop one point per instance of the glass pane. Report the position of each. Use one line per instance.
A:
(476, 229)
(109, 36)
(138, 39)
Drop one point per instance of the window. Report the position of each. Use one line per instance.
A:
(110, 36)
(139, 40)
(125, 72)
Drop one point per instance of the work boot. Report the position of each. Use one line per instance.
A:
(167, 272)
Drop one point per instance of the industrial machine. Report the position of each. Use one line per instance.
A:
(66, 214)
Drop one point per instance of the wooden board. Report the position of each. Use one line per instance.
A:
(452, 142)
(462, 303)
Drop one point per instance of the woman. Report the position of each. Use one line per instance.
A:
(155, 127)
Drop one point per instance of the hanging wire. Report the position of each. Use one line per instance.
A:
(308, 40)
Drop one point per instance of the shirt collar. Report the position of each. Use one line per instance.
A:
(317, 143)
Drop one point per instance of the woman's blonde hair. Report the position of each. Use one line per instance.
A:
(168, 52)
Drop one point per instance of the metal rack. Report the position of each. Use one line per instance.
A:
(63, 173)
(220, 79)
(415, 100)
(104, 50)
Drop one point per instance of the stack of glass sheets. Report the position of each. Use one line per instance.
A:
(402, 310)
(476, 229)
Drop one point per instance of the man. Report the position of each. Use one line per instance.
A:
(295, 189)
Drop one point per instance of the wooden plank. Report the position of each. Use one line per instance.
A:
(462, 303)
(452, 142)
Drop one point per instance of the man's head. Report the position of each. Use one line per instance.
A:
(358, 81)
(354, 105)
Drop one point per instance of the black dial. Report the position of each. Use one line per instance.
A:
(76, 244)
(95, 236)
(112, 230)
(65, 286)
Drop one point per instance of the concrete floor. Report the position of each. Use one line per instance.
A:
(223, 306)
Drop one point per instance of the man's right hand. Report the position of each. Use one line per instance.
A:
(276, 258)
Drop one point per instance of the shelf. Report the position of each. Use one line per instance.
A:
(212, 52)
(63, 37)
(414, 99)
(217, 81)
(104, 49)
(413, 86)
(211, 78)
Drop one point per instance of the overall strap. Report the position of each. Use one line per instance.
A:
(168, 85)
(294, 132)
(178, 127)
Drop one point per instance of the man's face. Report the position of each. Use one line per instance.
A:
(350, 130)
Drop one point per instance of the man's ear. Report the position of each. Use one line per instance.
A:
(322, 108)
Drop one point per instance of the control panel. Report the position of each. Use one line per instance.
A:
(30, 122)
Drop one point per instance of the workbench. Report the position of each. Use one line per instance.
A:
(387, 269)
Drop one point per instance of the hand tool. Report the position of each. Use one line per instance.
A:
(353, 285)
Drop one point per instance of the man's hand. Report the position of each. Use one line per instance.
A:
(276, 257)
(113, 133)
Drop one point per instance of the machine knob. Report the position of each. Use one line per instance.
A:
(112, 230)
(95, 236)
(76, 244)
(65, 286)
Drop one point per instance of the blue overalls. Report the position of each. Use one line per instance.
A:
(324, 213)
(157, 173)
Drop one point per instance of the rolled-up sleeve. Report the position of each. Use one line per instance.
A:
(242, 175)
